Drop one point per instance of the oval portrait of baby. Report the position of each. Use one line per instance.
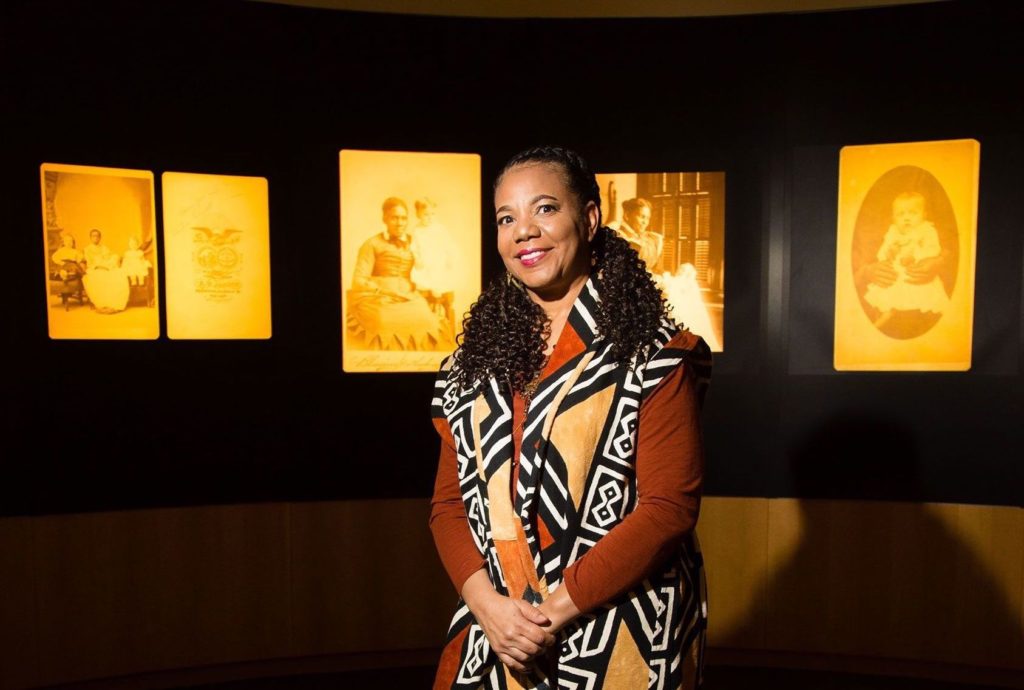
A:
(905, 252)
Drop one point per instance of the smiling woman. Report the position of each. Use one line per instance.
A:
(544, 237)
(571, 464)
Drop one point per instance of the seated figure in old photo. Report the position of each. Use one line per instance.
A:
(636, 217)
(904, 279)
(106, 283)
(434, 268)
(134, 262)
(386, 310)
(680, 287)
(69, 261)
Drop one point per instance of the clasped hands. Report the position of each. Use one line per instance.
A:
(517, 631)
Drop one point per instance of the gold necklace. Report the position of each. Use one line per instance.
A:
(527, 395)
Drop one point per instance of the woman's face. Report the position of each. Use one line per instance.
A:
(543, 234)
(639, 219)
(94, 236)
(396, 218)
(68, 241)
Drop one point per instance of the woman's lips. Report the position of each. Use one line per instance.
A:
(531, 257)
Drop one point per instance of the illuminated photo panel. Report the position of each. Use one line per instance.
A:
(410, 256)
(100, 253)
(905, 256)
(676, 223)
(217, 254)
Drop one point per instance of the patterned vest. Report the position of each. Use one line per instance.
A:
(576, 482)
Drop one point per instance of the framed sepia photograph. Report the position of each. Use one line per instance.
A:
(410, 256)
(905, 256)
(217, 256)
(100, 253)
(676, 223)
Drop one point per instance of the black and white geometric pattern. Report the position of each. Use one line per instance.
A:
(665, 615)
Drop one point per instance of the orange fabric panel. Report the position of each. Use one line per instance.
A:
(544, 535)
(451, 657)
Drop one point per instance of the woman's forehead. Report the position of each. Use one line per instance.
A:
(527, 177)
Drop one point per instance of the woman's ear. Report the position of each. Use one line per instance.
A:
(592, 218)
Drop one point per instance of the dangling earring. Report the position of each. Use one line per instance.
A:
(512, 281)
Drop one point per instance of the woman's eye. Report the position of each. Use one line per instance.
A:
(504, 220)
(545, 208)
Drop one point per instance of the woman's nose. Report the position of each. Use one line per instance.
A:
(525, 230)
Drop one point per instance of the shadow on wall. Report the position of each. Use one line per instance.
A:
(930, 582)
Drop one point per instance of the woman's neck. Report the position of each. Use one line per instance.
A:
(557, 309)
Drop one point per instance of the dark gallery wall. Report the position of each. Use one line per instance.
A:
(247, 88)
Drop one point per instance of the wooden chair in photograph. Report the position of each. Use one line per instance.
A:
(66, 281)
(144, 293)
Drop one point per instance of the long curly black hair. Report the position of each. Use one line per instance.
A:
(505, 333)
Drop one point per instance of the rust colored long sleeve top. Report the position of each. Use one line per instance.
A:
(669, 478)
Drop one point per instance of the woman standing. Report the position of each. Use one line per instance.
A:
(571, 463)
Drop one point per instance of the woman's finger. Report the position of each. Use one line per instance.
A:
(527, 648)
(534, 634)
(512, 663)
(531, 613)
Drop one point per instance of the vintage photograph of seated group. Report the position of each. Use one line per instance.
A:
(100, 253)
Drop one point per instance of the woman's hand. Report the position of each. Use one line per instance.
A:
(925, 270)
(514, 628)
(879, 273)
(559, 609)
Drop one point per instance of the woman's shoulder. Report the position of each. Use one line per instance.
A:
(450, 389)
(681, 346)
(438, 403)
(686, 340)
(446, 369)
(685, 351)
(448, 372)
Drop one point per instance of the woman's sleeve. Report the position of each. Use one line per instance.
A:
(669, 479)
(361, 276)
(448, 521)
